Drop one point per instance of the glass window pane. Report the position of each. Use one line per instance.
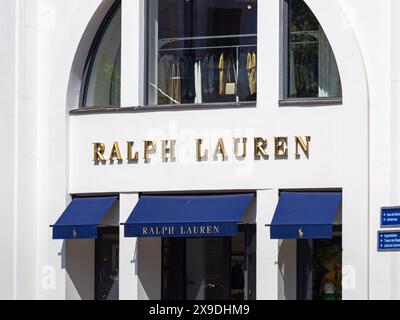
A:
(202, 51)
(103, 82)
(107, 264)
(313, 72)
(207, 268)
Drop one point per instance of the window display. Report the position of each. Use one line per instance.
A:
(107, 264)
(320, 269)
(219, 268)
(202, 51)
(312, 68)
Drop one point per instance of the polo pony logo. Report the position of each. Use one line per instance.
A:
(74, 234)
(301, 233)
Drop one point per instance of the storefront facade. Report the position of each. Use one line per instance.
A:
(268, 185)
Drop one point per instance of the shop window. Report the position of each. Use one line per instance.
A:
(102, 75)
(221, 268)
(319, 268)
(107, 264)
(202, 51)
(309, 64)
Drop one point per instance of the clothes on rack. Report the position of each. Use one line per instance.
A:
(198, 83)
(207, 70)
(221, 68)
(188, 82)
(169, 80)
(207, 77)
(252, 71)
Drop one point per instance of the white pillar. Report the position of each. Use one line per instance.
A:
(267, 249)
(132, 53)
(128, 277)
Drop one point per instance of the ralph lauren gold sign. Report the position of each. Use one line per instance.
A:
(280, 150)
(206, 230)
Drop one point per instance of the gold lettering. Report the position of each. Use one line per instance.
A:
(216, 230)
(144, 231)
(168, 150)
(132, 157)
(115, 152)
(304, 145)
(281, 147)
(221, 150)
(171, 230)
(199, 154)
(149, 147)
(202, 230)
(182, 231)
(99, 149)
(209, 230)
(260, 146)
(237, 141)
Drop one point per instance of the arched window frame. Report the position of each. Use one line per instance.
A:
(93, 51)
(285, 99)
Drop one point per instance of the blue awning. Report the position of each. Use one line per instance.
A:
(305, 215)
(82, 217)
(187, 216)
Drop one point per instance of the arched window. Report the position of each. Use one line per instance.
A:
(310, 68)
(102, 75)
(202, 51)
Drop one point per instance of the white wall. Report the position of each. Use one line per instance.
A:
(50, 152)
(8, 127)
(79, 263)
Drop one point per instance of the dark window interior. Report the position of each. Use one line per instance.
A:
(107, 264)
(319, 268)
(220, 268)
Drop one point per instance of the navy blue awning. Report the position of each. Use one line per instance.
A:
(82, 217)
(305, 215)
(187, 216)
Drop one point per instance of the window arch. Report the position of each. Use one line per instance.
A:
(310, 68)
(102, 73)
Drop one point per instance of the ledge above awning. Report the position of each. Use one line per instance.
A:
(305, 215)
(187, 216)
(82, 217)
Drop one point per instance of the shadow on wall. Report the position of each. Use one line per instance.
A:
(287, 263)
(149, 268)
(79, 263)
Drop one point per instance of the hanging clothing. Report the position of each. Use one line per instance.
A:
(187, 80)
(164, 83)
(207, 74)
(197, 82)
(243, 88)
(221, 67)
(176, 82)
(252, 72)
(231, 77)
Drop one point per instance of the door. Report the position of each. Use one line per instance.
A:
(107, 264)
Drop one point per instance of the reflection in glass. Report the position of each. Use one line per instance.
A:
(220, 268)
(202, 51)
(107, 264)
(313, 71)
(103, 81)
(320, 269)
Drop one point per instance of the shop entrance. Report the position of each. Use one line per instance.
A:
(319, 268)
(107, 264)
(217, 268)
